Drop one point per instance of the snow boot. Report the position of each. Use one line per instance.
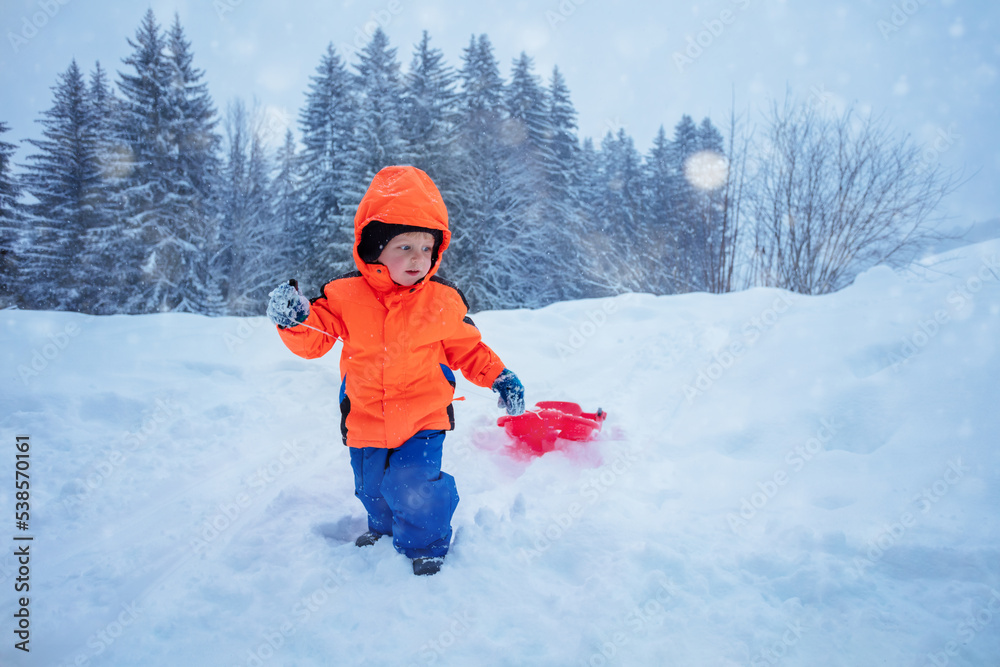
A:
(368, 539)
(427, 565)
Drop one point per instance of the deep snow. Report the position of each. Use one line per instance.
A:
(782, 480)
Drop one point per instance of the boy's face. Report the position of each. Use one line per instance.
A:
(408, 257)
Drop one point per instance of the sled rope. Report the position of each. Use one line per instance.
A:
(293, 323)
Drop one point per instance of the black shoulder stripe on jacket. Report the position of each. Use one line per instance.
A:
(448, 283)
(349, 274)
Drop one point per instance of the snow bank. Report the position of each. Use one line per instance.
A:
(782, 480)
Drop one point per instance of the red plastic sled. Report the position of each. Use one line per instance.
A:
(537, 430)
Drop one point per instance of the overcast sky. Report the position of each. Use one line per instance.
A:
(930, 65)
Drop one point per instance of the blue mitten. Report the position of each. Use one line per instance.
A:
(511, 392)
(287, 307)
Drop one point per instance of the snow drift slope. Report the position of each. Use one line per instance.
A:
(782, 480)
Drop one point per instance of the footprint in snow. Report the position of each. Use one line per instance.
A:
(343, 530)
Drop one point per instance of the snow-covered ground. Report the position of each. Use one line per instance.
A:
(782, 480)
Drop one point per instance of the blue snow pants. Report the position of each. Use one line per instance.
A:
(406, 494)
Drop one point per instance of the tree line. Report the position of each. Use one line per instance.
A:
(141, 197)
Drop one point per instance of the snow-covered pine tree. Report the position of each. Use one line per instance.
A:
(429, 116)
(697, 213)
(194, 168)
(246, 258)
(64, 179)
(98, 275)
(684, 219)
(480, 224)
(328, 176)
(10, 224)
(621, 227)
(378, 137)
(589, 189)
(527, 127)
(531, 256)
(141, 166)
(562, 159)
(167, 162)
(286, 209)
(686, 139)
(561, 207)
(593, 244)
(103, 102)
(659, 174)
(10, 189)
(709, 137)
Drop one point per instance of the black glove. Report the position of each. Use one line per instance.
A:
(511, 392)
(287, 307)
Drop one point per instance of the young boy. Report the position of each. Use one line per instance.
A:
(403, 331)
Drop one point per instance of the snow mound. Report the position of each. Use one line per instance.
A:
(781, 479)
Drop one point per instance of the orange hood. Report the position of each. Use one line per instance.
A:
(400, 196)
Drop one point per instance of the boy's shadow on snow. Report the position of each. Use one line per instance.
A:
(343, 530)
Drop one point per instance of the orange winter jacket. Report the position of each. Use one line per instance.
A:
(400, 343)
